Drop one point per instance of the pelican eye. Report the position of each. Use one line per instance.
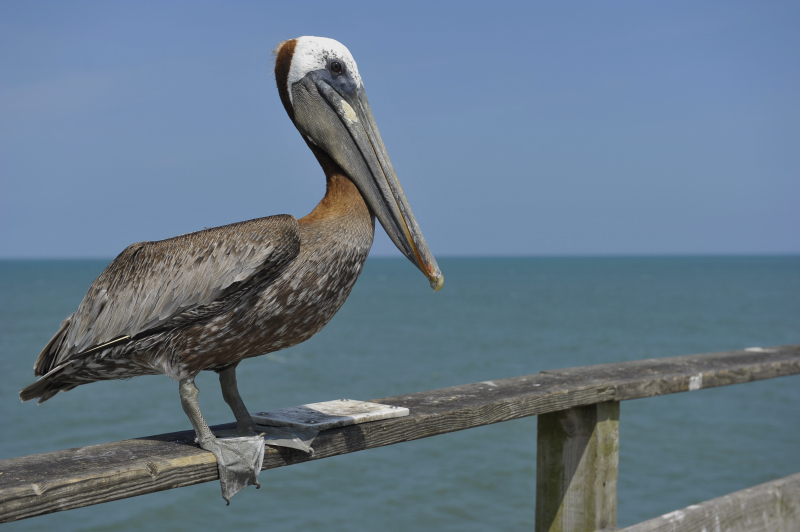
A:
(336, 67)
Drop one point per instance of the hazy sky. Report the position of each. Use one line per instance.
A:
(515, 128)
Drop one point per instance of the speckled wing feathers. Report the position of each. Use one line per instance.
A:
(150, 283)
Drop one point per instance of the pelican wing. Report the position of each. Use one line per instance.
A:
(151, 282)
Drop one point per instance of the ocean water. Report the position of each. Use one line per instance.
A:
(494, 318)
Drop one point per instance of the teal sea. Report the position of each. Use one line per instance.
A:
(495, 318)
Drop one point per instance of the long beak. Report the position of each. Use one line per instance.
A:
(352, 139)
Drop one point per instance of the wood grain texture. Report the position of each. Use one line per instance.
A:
(577, 457)
(61, 480)
(770, 507)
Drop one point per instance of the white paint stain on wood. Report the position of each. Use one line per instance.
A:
(758, 350)
(676, 516)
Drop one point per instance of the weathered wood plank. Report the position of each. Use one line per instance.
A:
(50, 482)
(577, 457)
(770, 507)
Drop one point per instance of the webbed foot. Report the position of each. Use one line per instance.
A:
(238, 460)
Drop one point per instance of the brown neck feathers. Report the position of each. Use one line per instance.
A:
(283, 62)
(342, 199)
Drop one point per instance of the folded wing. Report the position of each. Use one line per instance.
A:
(151, 282)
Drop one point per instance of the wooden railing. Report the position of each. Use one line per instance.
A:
(577, 455)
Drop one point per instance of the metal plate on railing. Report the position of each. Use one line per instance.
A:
(329, 414)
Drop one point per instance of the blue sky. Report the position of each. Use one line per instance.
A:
(525, 128)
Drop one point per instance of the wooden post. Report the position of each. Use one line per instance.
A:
(576, 469)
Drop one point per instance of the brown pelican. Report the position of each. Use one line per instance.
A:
(210, 299)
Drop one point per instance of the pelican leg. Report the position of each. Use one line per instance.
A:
(275, 436)
(230, 392)
(189, 393)
(238, 459)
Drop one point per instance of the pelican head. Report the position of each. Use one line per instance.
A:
(323, 93)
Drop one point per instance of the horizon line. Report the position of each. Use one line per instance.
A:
(497, 256)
